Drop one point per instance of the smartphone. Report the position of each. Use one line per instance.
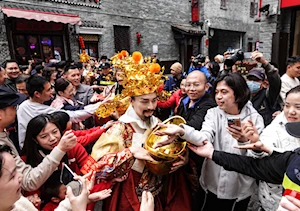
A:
(67, 178)
(234, 121)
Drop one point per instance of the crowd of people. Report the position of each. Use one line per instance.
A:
(95, 117)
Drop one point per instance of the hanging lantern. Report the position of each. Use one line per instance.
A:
(81, 42)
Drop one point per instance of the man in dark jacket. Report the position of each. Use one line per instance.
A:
(12, 72)
(264, 90)
(277, 168)
(193, 109)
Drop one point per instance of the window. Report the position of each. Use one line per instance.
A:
(223, 4)
(39, 46)
(122, 38)
(91, 49)
(253, 8)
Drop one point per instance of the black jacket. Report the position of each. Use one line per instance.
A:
(11, 84)
(266, 100)
(270, 169)
(194, 116)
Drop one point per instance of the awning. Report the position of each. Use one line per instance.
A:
(188, 29)
(42, 15)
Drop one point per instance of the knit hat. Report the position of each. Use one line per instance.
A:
(176, 67)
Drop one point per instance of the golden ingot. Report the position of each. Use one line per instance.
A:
(164, 156)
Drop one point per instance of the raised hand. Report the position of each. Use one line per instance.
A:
(259, 57)
(250, 132)
(67, 141)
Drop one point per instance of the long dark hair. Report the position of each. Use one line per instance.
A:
(61, 118)
(31, 147)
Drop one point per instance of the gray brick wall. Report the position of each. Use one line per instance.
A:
(268, 26)
(4, 50)
(236, 17)
(152, 19)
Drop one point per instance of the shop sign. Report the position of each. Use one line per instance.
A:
(195, 11)
(289, 3)
(25, 25)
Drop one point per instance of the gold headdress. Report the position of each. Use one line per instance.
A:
(141, 77)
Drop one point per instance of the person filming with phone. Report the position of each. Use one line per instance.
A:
(223, 128)
(264, 84)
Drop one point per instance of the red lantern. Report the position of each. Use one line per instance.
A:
(81, 42)
(138, 38)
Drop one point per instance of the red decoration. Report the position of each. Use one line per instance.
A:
(138, 38)
(81, 42)
(195, 11)
(207, 42)
(289, 3)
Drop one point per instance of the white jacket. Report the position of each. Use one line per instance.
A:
(224, 184)
(275, 136)
(29, 110)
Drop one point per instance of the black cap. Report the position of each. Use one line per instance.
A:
(105, 65)
(10, 98)
(258, 73)
(293, 128)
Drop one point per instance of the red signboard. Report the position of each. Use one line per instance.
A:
(195, 11)
(289, 3)
(30, 25)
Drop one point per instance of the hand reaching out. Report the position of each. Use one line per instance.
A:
(97, 196)
(170, 131)
(140, 153)
(258, 146)
(206, 150)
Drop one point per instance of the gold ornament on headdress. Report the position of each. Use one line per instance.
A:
(141, 77)
(84, 57)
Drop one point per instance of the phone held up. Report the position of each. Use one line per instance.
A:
(67, 178)
(234, 121)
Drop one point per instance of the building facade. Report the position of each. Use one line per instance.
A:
(229, 24)
(48, 29)
(280, 30)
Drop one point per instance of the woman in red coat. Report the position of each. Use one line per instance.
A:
(174, 100)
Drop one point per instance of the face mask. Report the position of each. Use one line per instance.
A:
(254, 86)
